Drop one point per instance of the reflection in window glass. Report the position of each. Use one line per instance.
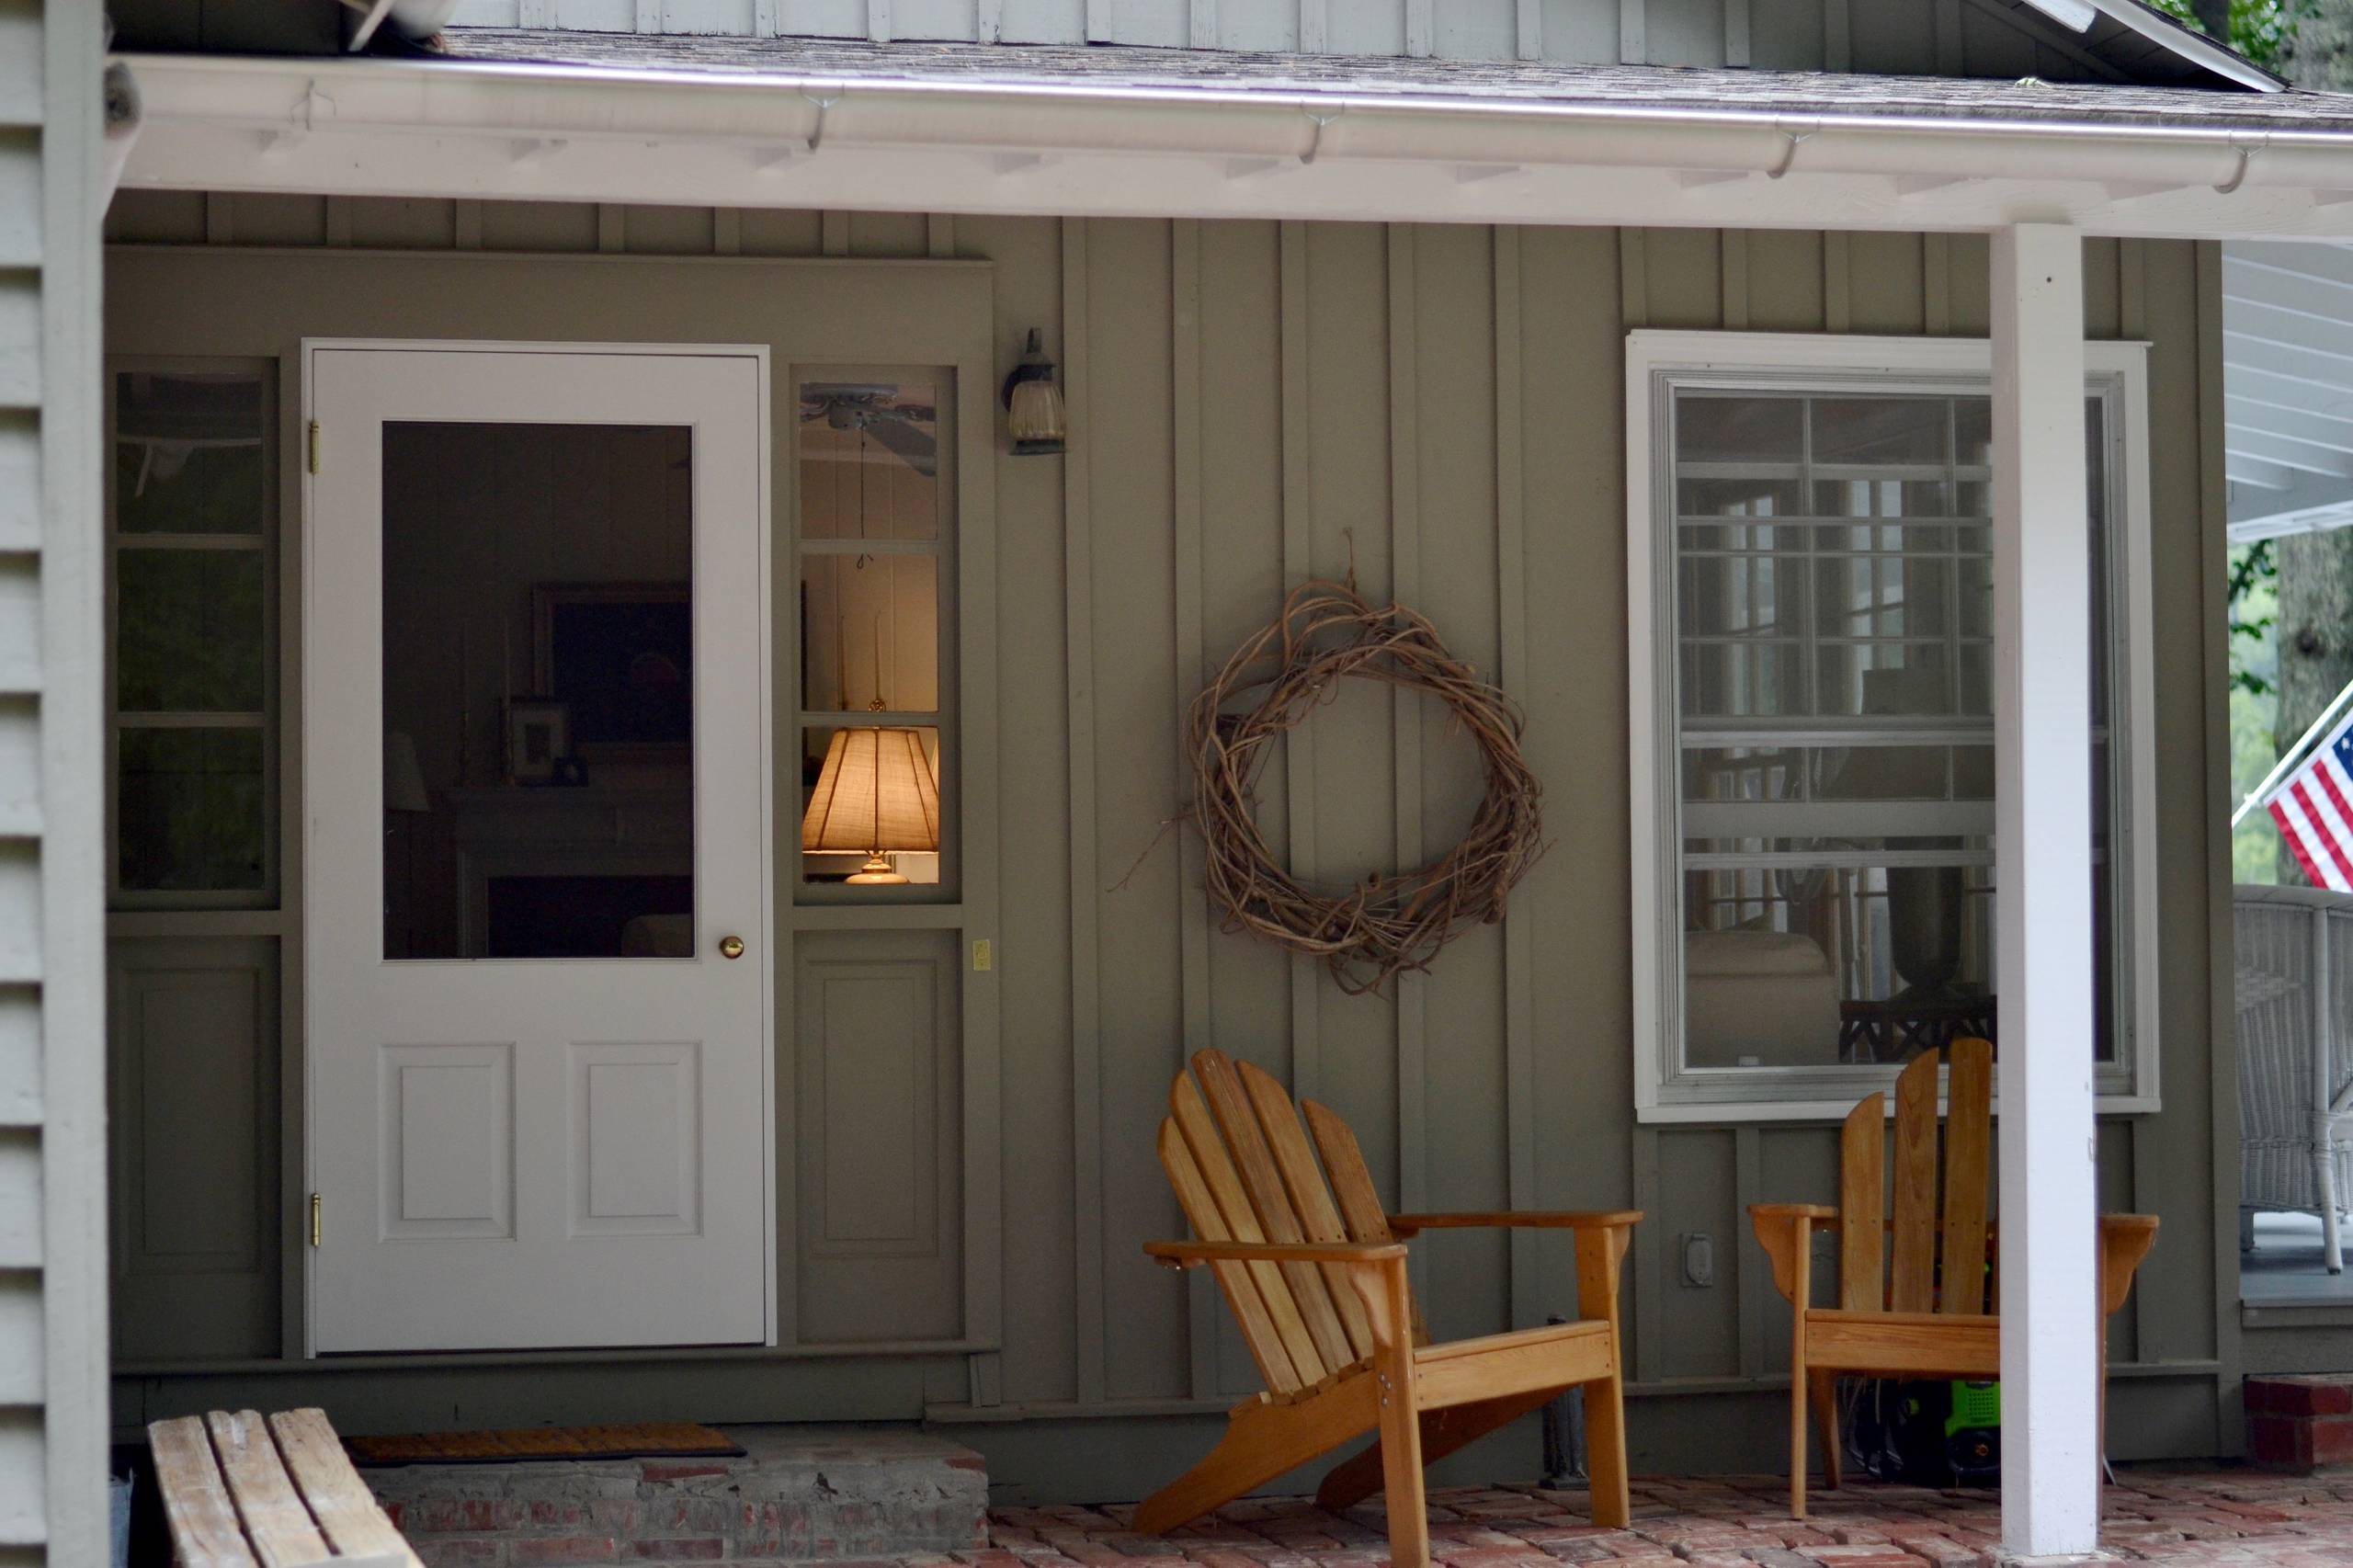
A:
(539, 691)
(191, 628)
(1834, 675)
(188, 456)
(188, 631)
(191, 806)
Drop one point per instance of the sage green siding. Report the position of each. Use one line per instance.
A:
(1438, 409)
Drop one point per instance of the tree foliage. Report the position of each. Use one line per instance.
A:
(2263, 30)
(2254, 606)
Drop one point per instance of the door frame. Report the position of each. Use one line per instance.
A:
(760, 518)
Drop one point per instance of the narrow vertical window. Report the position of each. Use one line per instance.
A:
(874, 540)
(193, 629)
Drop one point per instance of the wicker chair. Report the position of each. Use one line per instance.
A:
(2295, 1048)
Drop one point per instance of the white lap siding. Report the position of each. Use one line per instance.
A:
(53, 1390)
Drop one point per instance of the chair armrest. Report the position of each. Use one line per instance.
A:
(2124, 1241)
(1557, 1219)
(1776, 1226)
(1192, 1255)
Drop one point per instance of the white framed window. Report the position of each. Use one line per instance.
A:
(1810, 612)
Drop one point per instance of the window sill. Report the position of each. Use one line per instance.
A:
(1733, 1111)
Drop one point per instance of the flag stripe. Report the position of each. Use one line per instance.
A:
(2313, 809)
(2296, 832)
(2332, 823)
(2293, 839)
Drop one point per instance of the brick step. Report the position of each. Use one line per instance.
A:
(798, 1495)
(2301, 1423)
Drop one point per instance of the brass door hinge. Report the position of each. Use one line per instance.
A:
(314, 445)
(314, 1219)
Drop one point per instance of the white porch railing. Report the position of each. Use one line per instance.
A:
(2294, 978)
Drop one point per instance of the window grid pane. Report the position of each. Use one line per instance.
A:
(192, 622)
(1834, 693)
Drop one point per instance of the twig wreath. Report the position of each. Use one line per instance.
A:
(1385, 926)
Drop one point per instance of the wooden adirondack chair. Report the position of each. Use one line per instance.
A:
(1934, 1314)
(1315, 1274)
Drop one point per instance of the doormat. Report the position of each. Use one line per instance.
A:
(643, 1439)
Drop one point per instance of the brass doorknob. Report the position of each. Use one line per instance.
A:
(730, 946)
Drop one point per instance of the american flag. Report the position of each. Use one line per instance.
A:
(2313, 807)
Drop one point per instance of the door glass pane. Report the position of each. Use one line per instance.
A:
(188, 631)
(870, 625)
(539, 691)
(188, 453)
(869, 461)
(870, 805)
(190, 808)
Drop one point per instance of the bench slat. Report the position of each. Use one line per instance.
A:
(347, 1511)
(205, 1533)
(276, 1521)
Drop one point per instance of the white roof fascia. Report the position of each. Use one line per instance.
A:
(521, 131)
(2188, 42)
(2075, 16)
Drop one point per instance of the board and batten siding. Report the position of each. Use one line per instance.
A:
(1437, 408)
(52, 1259)
(1958, 37)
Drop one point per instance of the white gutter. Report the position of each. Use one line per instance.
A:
(561, 100)
(616, 117)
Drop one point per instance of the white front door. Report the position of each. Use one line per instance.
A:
(537, 861)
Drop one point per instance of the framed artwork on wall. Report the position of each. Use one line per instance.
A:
(537, 740)
(619, 657)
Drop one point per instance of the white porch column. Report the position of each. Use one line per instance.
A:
(2044, 897)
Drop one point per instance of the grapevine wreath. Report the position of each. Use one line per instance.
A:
(1385, 926)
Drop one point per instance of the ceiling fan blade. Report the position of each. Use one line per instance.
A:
(916, 449)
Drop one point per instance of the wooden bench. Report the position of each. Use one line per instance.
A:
(240, 1492)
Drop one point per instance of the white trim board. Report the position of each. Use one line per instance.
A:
(1782, 359)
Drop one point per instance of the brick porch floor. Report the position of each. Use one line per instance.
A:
(2154, 1514)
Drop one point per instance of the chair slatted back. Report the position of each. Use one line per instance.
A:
(1241, 1163)
(1923, 1231)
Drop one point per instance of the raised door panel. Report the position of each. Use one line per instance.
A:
(878, 1138)
(447, 1140)
(637, 1166)
(194, 1087)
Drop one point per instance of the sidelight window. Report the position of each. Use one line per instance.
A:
(875, 541)
(193, 627)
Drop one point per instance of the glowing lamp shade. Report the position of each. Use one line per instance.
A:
(875, 795)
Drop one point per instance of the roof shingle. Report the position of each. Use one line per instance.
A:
(1745, 93)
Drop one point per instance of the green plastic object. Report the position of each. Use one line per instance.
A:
(1976, 1404)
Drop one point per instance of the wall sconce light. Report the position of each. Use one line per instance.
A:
(1033, 404)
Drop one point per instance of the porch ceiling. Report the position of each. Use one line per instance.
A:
(962, 128)
(2288, 383)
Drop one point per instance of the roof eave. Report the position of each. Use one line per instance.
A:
(353, 127)
(2190, 44)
